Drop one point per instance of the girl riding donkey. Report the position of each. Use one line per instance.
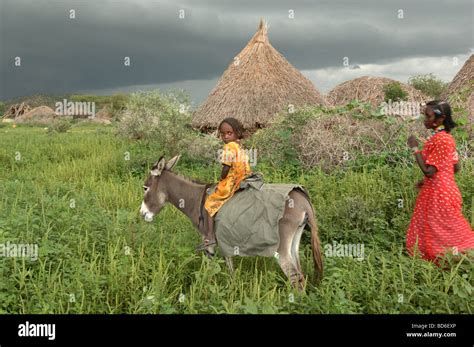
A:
(235, 168)
(284, 221)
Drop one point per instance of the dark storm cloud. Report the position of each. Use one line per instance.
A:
(61, 55)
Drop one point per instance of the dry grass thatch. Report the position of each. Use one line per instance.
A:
(258, 84)
(328, 142)
(16, 110)
(369, 89)
(463, 77)
(41, 114)
(460, 92)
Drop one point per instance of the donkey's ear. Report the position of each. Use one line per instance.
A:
(172, 162)
(158, 167)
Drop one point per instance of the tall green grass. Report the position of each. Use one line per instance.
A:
(76, 195)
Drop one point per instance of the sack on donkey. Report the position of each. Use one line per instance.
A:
(247, 224)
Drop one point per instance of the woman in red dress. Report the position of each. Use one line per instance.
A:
(438, 226)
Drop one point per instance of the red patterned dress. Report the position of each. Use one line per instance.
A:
(437, 225)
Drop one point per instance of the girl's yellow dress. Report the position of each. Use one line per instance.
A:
(236, 158)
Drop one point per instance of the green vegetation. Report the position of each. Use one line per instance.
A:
(76, 194)
(428, 84)
(394, 92)
(115, 103)
(60, 126)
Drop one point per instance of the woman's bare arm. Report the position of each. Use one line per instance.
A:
(428, 170)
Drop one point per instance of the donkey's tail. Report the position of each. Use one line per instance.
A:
(315, 245)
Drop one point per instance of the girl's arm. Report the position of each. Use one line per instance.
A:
(428, 170)
(225, 171)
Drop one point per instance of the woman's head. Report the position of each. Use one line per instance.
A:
(230, 130)
(438, 113)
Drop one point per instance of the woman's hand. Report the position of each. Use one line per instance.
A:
(412, 141)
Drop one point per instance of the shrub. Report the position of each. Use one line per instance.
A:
(164, 121)
(277, 144)
(429, 84)
(333, 140)
(394, 92)
(350, 136)
(151, 115)
(59, 126)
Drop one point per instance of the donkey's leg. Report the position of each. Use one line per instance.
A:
(295, 251)
(291, 228)
(230, 264)
(288, 228)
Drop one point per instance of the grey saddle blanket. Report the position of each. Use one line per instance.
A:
(247, 224)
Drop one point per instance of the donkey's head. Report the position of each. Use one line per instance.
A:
(155, 194)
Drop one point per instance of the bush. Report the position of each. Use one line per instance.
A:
(165, 121)
(331, 141)
(394, 92)
(151, 115)
(277, 144)
(59, 126)
(428, 84)
(201, 148)
(350, 136)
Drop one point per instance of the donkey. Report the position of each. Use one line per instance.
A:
(164, 186)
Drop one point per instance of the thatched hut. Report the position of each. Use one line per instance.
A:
(369, 89)
(257, 85)
(40, 114)
(460, 92)
(16, 110)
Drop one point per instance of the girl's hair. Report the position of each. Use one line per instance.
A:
(236, 126)
(441, 108)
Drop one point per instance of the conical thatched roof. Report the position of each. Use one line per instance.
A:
(369, 89)
(462, 78)
(460, 92)
(259, 83)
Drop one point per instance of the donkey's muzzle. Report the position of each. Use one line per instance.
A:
(145, 212)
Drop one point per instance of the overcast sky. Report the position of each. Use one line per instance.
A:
(86, 54)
